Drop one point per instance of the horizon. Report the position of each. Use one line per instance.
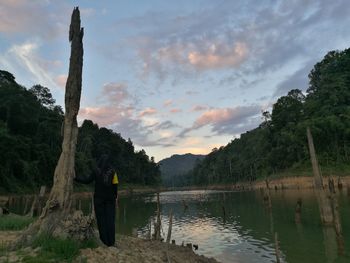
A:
(175, 78)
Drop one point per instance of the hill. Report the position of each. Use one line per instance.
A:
(174, 168)
(30, 142)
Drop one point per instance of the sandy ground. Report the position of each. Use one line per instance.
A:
(127, 250)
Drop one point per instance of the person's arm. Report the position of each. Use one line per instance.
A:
(89, 179)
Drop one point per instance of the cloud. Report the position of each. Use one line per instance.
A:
(118, 112)
(199, 108)
(24, 58)
(297, 80)
(105, 115)
(115, 93)
(61, 80)
(175, 110)
(167, 103)
(227, 120)
(148, 111)
(32, 18)
(219, 56)
(252, 39)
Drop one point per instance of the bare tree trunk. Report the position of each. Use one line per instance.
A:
(157, 234)
(170, 227)
(322, 198)
(57, 208)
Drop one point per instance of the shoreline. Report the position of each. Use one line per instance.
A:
(282, 183)
(127, 249)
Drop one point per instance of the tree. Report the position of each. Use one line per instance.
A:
(43, 95)
(57, 208)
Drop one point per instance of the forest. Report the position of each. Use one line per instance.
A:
(279, 145)
(31, 140)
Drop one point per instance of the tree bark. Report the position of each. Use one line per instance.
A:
(57, 208)
(322, 198)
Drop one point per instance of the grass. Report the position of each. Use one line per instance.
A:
(57, 249)
(14, 222)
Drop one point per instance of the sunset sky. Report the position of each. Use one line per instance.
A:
(174, 76)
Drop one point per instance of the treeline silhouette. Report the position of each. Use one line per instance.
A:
(30, 142)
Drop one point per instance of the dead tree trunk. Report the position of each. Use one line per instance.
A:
(170, 227)
(322, 198)
(157, 227)
(57, 208)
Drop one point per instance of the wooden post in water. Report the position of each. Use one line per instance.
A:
(157, 235)
(277, 250)
(323, 200)
(298, 211)
(170, 227)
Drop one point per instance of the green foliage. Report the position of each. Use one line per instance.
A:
(279, 144)
(57, 250)
(175, 168)
(30, 142)
(14, 222)
(132, 167)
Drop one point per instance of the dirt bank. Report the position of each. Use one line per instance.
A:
(127, 250)
(138, 250)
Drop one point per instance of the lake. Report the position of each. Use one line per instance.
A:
(238, 227)
(245, 232)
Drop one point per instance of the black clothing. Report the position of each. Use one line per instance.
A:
(103, 184)
(105, 195)
(105, 216)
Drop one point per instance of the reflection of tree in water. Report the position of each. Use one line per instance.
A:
(133, 212)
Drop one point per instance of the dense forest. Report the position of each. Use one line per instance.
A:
(175, 168)
(30, 142)
(279, 144)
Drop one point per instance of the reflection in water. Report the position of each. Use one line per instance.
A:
(245, 234)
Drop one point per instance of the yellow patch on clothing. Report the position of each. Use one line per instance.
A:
(115, 179)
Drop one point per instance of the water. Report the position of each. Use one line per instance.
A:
(245, 232)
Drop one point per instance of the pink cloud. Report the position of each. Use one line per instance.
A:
(219, 56)
(227, 120)
(61, 80)
(148, 111)
(167, 103)
(175, 110)
(105, 115)
(115, 93)
(23, 16)
(221, 115)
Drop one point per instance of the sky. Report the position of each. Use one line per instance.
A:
(175, 77)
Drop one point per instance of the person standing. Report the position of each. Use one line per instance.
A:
(105, 198)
